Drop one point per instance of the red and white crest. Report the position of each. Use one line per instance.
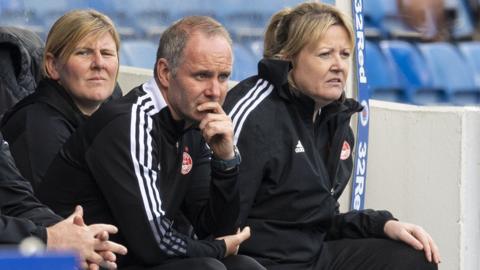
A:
(187, 163)
(346, 151)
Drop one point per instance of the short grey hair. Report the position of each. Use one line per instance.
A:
(175, 37)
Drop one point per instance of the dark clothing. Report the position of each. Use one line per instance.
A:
(21, 52)
(296, 162)
(231, 263)
(22, 215)
(37, 126)
(134, 166)
(367, 253)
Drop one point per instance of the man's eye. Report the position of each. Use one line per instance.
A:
(224, 77)
(200, 76)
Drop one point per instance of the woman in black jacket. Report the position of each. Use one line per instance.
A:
(291, 125)
(80, 67)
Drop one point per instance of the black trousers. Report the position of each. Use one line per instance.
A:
(363, 254)
(238, 262)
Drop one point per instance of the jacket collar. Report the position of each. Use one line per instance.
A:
(276, 72)
(173, 127)
(56, 97)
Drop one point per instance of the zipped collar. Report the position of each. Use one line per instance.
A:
(54, 95)
(174, 128)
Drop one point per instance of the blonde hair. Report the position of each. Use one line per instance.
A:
(291, 29)
(74, 26)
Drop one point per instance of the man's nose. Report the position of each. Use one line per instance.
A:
(214, 89)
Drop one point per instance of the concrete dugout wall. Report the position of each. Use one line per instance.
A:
(424, 166)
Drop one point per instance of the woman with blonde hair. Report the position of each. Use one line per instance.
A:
(80, 68)
(291, 125)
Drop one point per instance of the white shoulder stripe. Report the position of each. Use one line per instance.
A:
(246, 97)
(247, 104)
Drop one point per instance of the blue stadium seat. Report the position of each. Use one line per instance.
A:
(244, 64)
(417, 80)
(383, 80)
(138, 53)
(382, 17)
(179, 9)
(463, 27)
(471, 54)
(47, 11)
(149, 17)
(449, 69)
(256, 47)
(14, 13)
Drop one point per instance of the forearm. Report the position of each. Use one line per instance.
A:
(14, 230)
(359, 224)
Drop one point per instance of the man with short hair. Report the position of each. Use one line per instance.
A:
(22, 216)
(161, 160)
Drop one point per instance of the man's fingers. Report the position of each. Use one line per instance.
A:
(110, 246)
(214, 128)
(213, 106)
(84, 265)
(213, 118)
(78, 212)
(108, 256)
(94, 257)
(108, 265)
(102, 236)
(93, 266)
(98, 228)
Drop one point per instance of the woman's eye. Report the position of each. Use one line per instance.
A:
(345, 54)
(82, 53)
(324, 54)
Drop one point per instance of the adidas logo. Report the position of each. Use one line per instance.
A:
(299, 148)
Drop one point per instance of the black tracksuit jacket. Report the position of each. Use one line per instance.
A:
(21, 214)
(293, 170)
(133, 166)
(38, 126)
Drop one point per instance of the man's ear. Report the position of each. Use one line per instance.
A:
(163, 73)
(51, 66)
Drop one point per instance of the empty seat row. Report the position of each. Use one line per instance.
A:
(147, 18)
(426, 73)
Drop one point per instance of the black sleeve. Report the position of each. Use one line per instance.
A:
(34, 149)
(359, 224)
(212, 200)
(130, 184)
(22, 214)
(256, 157)
(13, 230)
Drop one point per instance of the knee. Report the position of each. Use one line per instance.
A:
(241, 262)
(409, 258)
(209, 264)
